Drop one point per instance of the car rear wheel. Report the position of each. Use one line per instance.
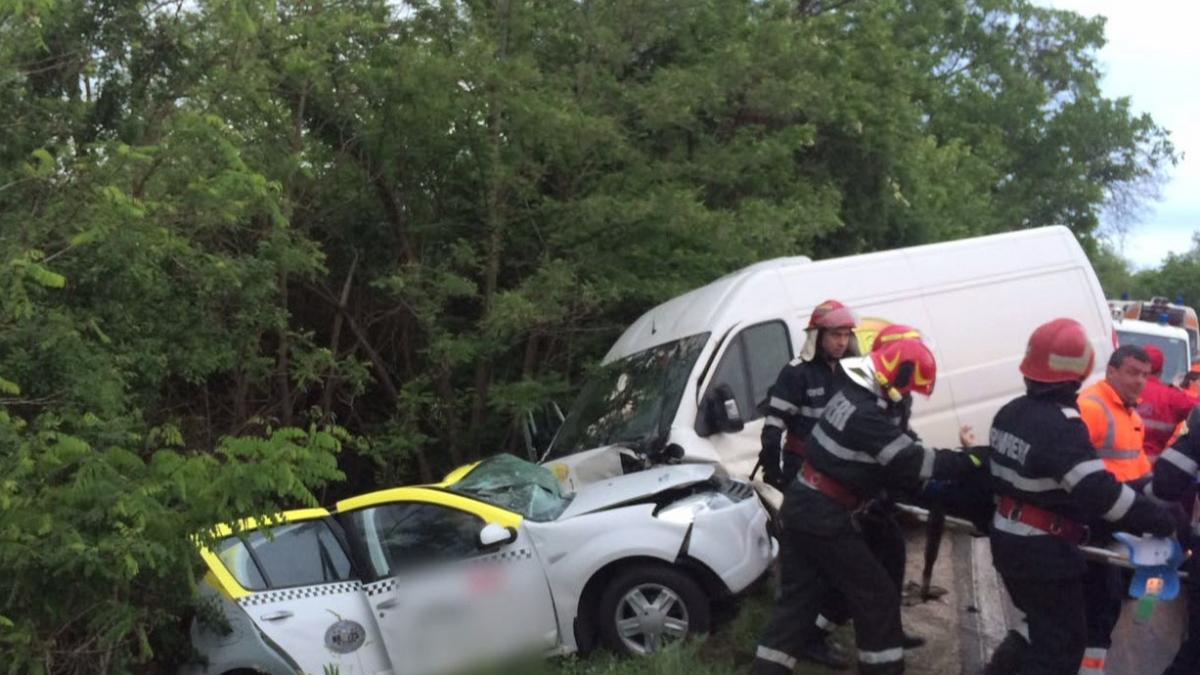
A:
(646, 607)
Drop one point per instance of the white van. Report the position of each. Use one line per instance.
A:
(658, 388)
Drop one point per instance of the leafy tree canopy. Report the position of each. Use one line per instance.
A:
(260, 253)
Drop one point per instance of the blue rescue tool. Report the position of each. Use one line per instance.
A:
(1156, 564)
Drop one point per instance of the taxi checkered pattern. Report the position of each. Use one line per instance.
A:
(502, 558)
(265, 597)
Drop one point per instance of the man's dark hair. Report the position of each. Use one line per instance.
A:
(1128, 352)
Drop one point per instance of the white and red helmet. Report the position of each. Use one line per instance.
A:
(831, 314)
(1058, 351)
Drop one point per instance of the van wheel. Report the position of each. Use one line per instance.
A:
(647, 606)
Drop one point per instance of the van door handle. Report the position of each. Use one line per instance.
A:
(388, 604)
(276, 616)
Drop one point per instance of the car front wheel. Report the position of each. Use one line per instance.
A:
(646, 607)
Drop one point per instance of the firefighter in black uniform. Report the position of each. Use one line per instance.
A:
(1175, 475)
(795, 401)
(793, 406)
(856, 450)
(1049, 483)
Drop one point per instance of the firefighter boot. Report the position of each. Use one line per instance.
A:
(1007, 658)
(826, 653)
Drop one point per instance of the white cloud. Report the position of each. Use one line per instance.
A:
(1152, 56)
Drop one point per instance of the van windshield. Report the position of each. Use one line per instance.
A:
(1175, 351)
(631, 400)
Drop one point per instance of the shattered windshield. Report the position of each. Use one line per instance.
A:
(516, 485)
(630, 400)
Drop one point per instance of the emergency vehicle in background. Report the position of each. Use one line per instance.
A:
(1171, 340)
(1159, 310)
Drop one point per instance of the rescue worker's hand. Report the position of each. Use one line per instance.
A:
(978, 453)
(966, 436)
(774, 478)
(772, 472)
(1163, 525)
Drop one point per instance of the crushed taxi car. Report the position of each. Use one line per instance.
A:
(496, 562)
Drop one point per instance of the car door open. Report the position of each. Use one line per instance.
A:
(296, 583)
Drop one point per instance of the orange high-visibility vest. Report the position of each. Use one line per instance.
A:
(1116, 431)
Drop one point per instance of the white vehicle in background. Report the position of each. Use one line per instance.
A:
(1172, 341)
(684, 382)
(497, 562)
(1159, 310)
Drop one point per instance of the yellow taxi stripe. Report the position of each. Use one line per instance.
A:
(487, 512)
(218, 576)
(293, 516)
(457, 474)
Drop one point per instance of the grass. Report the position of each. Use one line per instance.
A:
(730, 649)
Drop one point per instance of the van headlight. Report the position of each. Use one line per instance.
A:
(685, 510)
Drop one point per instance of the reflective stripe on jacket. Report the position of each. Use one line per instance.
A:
(1116, 431)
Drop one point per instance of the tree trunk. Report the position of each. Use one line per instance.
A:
(495, 224)
(282, 378)
(331, 379)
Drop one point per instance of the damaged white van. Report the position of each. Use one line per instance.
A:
(683, 383)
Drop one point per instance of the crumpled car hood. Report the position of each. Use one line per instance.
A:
(620, 490)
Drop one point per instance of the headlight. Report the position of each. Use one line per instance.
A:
(685, 510)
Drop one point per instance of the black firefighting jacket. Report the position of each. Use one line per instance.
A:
(795, 402)
(862, 442)
(1042, 456)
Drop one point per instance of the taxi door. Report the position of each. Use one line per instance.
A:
(298, 586)
(443, 599)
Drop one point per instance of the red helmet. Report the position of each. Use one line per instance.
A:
(893, 332)
(831, 314)
(1058, 351)
(1156, 359)
(903, 363)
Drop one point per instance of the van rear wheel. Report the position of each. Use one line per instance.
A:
(647, 607)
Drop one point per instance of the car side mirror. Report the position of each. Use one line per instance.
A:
(723, 412)
(493, 535)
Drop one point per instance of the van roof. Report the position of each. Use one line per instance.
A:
(764, 286)
(699, 310)
(1150, 328)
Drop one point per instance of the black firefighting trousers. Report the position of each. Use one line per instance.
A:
(1055, 624)
(1187, 660)
(1103, 592)
(810, 567)
(885, 538)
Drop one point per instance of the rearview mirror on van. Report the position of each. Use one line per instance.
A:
(721, 410)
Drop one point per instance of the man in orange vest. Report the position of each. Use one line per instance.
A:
(1191, 381)
(1109, 409)
(1162, 407)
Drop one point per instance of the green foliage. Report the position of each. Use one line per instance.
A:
(97, 553)
(221, 222)
(1177, 276)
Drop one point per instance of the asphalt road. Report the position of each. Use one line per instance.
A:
(968, 623)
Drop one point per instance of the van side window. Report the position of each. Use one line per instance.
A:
(768, 350)
(295, 554)
(749, 366)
